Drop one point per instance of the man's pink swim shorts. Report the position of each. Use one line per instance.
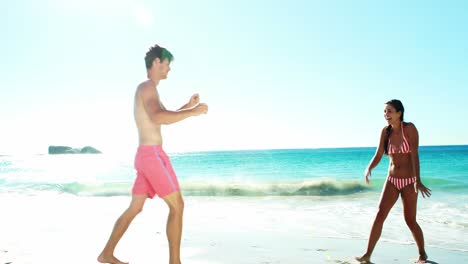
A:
(155, 174)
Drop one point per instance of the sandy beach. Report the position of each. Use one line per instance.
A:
(61, 228)
(273, 115)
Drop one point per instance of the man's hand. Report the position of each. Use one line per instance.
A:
(201, 108)
(194, 100)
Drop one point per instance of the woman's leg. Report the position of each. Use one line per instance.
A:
(410, 200)
(388, 198)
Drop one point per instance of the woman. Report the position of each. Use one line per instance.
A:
(399, 140)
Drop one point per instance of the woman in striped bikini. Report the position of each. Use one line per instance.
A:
(399, 140)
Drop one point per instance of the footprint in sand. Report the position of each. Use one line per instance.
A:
(4, 252)
(341, 261)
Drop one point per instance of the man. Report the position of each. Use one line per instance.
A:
(155, 174)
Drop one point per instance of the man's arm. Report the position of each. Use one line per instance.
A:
(158, 113)
(194, 100)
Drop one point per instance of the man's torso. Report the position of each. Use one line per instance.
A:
(149, 132)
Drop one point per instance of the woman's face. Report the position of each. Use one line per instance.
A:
(391, 115)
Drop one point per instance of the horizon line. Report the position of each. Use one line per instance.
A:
(238, 150)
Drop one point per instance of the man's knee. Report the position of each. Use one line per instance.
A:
(134, 210)
(136, 205)
(176, 204)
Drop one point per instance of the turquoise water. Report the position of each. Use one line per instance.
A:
(244, 173)
(315, 186)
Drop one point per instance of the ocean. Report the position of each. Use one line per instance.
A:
(289, 172)
(319, 190)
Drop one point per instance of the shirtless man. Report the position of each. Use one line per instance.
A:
(155, 174)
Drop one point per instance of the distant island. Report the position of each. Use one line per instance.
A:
(70, 150)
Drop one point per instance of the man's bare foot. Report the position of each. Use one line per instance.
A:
(422, 258)
(109, 259)
(363, 259)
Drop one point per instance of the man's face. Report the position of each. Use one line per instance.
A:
(163, 67)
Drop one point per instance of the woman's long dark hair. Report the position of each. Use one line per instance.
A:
(399, 108)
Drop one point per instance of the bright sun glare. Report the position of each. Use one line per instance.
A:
(143, 16)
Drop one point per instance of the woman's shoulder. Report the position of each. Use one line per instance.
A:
(385, 130)
(410, 128)
(409, 125)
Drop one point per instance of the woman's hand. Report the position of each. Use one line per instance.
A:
(367, 174)
(426, 192)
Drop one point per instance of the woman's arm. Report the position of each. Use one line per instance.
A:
(413, 140)
(377, 156)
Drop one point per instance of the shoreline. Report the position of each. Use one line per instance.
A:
(219, 250)
(217, 230)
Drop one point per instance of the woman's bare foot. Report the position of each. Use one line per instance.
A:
(109, 259)
(422, 258)
(363, 259)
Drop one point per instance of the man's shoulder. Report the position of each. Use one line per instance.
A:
(145, 87)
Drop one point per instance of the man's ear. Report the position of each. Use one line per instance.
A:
(157, 60)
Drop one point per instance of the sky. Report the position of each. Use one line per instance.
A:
(275, 74)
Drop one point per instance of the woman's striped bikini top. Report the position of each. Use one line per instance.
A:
(404, 147)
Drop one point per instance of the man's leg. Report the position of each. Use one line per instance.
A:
(174, 225)
(121, 225)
